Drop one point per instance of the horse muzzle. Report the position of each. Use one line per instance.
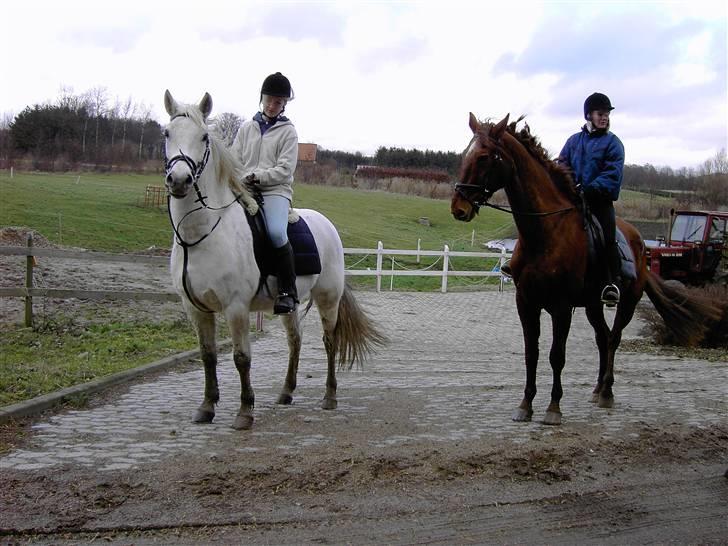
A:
(178, 185)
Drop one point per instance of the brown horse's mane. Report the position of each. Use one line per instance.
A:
(560, 174)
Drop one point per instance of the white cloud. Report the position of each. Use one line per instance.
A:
(394, 74)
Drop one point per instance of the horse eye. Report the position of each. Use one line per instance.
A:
(166, 133)
(205, 137)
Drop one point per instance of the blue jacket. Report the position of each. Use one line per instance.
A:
(597, 160)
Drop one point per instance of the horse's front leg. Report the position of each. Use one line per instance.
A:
(239, 324)
(531, 324)
(293, 334)
(205, 326)
(561, 321)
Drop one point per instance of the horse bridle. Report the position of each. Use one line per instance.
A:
(196, 170)
(487, 194)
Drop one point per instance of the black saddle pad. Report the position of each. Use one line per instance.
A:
(307, 260)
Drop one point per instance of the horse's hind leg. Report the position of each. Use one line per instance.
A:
(239, 324)
(205, 325)
(557, 357)
(595, 315)
(329, 319)
(293, 332)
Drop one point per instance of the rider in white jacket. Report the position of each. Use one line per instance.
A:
(267, 146)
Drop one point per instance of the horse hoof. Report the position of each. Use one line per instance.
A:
(594, 398)
(285, 399)
(521, 415)
(203, 416)
(243, 422)
(329, 404)
(605, 402)
(552, 418)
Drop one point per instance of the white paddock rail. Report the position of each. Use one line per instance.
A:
(445, 272)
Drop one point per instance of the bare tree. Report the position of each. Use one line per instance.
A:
(98, 96)
(6, 119)
(713, 185)
(127, 112)
(145, 115)
(226, 126)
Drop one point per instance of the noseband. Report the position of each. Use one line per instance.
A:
(461, 189)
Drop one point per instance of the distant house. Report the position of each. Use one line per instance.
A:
(306, 152)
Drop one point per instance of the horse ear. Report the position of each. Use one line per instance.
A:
(169, 103)
(497, 131)
(474, 125)
(206, 105)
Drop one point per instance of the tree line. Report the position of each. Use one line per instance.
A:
(90, 130)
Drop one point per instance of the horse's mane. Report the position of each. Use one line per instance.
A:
(227, 167)
(560, 174)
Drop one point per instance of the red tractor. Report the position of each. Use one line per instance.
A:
(693, 251)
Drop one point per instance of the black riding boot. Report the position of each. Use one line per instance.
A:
(287, 294)
(610, 294)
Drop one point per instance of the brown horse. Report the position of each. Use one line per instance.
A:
(550, 264)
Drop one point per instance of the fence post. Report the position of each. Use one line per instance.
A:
(418, 249)
(29, 284)
(501, 261)
(258, 321)
(445, 262)
(380, 248)
(11, 172)
(472, 239)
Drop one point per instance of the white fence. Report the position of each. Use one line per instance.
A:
(445, 271)
(30, 252)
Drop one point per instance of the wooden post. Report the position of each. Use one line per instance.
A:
(380, 248)
(29, 285)
(445, 262)
(419, 241)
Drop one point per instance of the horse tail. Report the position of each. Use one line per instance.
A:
(355, 335)
(688, 316)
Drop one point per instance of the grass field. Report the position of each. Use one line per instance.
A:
(106, 213)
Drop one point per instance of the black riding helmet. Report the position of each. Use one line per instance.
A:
(596, 101)
(277, 85)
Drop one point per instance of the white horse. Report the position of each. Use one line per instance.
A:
(214, 268)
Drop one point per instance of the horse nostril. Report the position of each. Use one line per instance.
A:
(188, 180)
(168, 179)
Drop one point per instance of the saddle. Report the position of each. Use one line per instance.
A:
(305, 251)
(595, 240)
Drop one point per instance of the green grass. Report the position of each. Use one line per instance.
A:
(61, 354)
(104, 212)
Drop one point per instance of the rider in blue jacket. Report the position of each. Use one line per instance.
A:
(596, 157)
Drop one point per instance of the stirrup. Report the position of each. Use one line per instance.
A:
(610, 295)
(285, 303)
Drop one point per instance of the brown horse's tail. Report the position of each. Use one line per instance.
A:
(355, 335)
(688, 316)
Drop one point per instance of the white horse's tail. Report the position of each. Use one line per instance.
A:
(355, 334)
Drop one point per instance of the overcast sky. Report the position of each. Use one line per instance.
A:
(406, 74)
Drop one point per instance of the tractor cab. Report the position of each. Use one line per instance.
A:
(693, 251)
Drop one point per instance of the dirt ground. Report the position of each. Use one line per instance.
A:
(421, 449)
